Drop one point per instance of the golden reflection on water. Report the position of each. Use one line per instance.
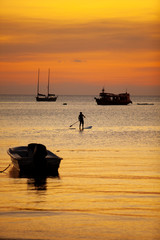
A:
(108, 194)
(109, 179)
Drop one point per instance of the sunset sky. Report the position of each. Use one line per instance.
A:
(86, 44)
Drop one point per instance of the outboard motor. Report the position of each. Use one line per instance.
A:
(31, 148)
(38, 152)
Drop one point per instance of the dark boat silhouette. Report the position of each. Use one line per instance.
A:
(42, 97)
(113, 99)
(34, 160)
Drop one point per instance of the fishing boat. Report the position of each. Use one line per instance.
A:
(34, 159)
(113, 99)
(50, 97)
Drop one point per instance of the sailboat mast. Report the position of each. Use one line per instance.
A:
(38, 82)
(48, 79)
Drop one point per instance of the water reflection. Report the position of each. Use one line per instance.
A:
(39, 183)
(35, 182)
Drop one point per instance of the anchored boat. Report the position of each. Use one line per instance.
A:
(50, 97)
(113, 99)
(34, 159)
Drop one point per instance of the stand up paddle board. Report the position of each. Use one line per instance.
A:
(89, 127)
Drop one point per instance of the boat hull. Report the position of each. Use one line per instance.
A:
(106, 102)
(46, 99)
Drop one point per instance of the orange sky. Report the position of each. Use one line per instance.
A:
(86, 44)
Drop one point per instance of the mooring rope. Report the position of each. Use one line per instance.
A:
(5, 169)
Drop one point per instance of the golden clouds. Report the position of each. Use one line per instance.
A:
(46, 37)
(86, 41)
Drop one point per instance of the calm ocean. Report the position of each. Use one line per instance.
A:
(109, 183)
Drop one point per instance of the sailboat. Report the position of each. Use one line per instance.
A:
(50, 97)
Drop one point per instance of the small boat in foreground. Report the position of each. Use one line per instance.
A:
(34, 160)
(113, 99)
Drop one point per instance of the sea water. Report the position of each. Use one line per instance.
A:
(109, 179)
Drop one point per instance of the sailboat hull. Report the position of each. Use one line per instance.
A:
(46, 99)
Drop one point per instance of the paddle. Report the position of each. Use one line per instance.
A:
(73, 124)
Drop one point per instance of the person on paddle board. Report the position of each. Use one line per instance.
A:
(81, 120)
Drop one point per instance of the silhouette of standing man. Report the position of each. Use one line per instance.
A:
(81, 121)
